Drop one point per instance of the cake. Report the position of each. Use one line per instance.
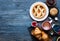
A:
(39, 11)
(39, 34)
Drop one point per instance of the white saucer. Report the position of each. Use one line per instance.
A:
(47, 11)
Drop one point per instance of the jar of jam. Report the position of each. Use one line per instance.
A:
(34, 23)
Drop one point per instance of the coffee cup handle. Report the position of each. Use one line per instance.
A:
(53, 25)
(50, 21)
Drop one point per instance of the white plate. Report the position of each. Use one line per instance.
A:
(47, 11)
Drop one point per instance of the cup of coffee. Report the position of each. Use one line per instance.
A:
(58, 39)
(56, 28)
(51, 3)
(46, 25)
(53, 13)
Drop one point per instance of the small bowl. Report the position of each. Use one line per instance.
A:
(34, 23)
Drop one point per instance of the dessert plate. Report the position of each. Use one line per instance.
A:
(41, 11)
